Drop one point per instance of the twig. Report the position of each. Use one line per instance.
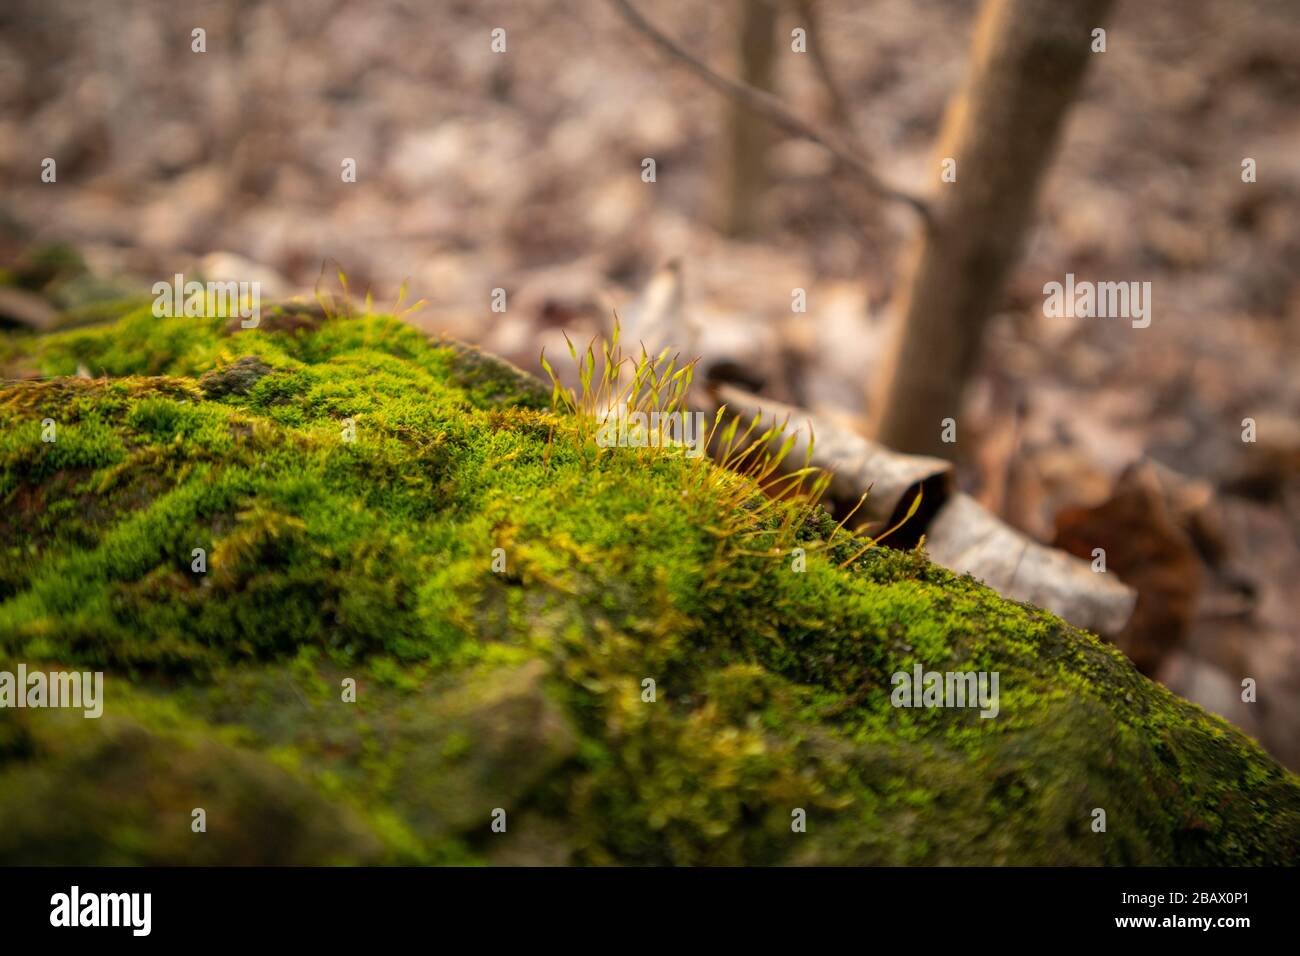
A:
(849, 205)
(825, 71)
(770, 108)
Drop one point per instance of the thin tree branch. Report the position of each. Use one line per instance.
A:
(810, 17)
(806, 9)
(772, 109)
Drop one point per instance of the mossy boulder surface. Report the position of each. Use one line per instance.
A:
(349, 481)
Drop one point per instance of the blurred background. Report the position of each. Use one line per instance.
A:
(522, 171)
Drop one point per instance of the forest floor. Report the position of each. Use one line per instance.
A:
(522, 171)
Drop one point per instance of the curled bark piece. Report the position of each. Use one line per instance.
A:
(855, 462)
(959, 533)
(965, 538)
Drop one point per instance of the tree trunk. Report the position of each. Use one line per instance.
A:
(749, 134)
(1027, 62)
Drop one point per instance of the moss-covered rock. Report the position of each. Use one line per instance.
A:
(349, 483)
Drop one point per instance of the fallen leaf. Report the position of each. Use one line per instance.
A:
(1142, 532)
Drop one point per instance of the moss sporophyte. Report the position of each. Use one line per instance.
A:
(370, 561)
(196, 299)
(622, 428)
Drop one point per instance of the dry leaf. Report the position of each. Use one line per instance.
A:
(1143, 529)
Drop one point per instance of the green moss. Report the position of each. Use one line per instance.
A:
(349, 482)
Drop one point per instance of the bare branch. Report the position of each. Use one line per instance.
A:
(771, 109)
(806, 9)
